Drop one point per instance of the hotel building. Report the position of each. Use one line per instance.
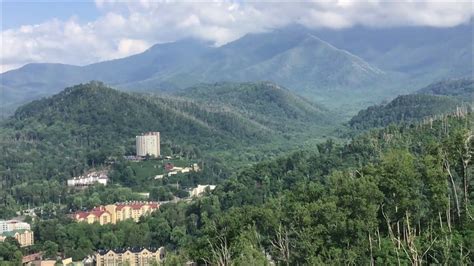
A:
(148, 144)
(130, 256)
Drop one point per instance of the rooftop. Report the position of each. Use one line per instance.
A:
(12, 233)
(131, 249)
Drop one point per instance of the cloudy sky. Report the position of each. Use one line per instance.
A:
(82, 32)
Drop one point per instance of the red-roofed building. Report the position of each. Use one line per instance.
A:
(114, 213)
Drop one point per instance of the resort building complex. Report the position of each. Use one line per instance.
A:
(130, 256)
(114, 213)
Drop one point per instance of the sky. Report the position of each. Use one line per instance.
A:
(81, 32)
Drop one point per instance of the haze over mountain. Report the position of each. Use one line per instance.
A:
(331, 66)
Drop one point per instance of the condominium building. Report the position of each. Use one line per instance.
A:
(130, 256)
(114, 213)
(148, 144)
(11, 225)
(23, 236)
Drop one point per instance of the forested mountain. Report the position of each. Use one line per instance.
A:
(331, 66)
(461, 88)
(423, 54)
(399, 195)
(436, 99)
(61, 136)
(296, 59)
(265, 102)
(405, 109)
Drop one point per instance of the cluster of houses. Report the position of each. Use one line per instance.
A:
(21, 231)
(174, 170)
(113, 213)
(89, 179)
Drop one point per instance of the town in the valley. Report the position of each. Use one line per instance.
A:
(147, 149)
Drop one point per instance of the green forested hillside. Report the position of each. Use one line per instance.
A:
(53, 139)
(264, 102)
(405, 109)
(462, 88)
(400, 195)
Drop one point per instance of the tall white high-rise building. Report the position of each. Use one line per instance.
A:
(148, 143)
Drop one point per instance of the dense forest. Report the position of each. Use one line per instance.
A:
(438, 98)
(265, 102)
(407, 109)
(398, 195)
(401, 194)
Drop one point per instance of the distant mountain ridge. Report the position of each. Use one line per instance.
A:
(462, 88)
(330, 66)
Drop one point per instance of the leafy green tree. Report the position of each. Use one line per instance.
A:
(50, 249)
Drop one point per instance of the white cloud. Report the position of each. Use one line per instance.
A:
(130, 46)
(126, 28)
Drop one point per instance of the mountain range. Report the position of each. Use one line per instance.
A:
(331, 66)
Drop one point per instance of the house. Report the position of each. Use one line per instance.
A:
(130, 256)
(197, 191)
(168, 166)
(172, 173)
(195, 167)
(36, 259)
(28, 259)
(159, 176)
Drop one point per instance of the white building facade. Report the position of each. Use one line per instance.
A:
(148, 144)
(12, 225)
(197, 191)
(89, 179)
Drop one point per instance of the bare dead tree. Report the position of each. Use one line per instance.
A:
(408, 244)
(466, 155)
(411, 235)
(447, 167)
(220, 250)
(371, 252)
(281, 244)
(395, 240)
